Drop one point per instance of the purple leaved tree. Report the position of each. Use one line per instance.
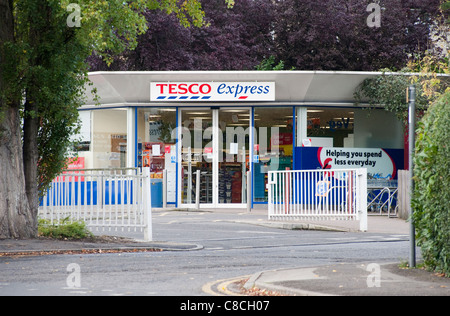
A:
(344, 35)
(235, 38)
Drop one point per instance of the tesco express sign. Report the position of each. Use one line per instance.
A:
(212, 91)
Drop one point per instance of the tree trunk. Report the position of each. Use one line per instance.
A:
(30, 156)
(16, 218)
(31, 115)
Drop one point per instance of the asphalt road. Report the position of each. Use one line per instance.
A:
(230, 250)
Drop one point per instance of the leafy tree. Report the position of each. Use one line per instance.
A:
(236, 38)
(334, 34)
(389, 91)
(446, 7)
(432, 191)
(431, 167)
(422, 70)
(305, 35)
(165, 46)
(43, 48)
(269, 64)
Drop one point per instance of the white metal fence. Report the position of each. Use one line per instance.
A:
(104, 199)
(318, 195)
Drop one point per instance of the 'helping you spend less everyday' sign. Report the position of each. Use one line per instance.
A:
(376, 160)
(381, 163)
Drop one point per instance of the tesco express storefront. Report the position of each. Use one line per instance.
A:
(227, 123)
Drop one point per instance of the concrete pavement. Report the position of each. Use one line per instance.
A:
(258, 216)
(102, 244)
(346, 279)
(352, 280)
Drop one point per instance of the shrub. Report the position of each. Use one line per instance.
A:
(63, 230)
(432, 186)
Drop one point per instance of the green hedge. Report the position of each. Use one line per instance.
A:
(431, 199)
(63, 229)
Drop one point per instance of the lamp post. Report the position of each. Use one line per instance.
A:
(412, 132)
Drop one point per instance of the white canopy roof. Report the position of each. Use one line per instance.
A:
(314, 88)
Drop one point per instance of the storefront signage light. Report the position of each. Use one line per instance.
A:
(212, 91)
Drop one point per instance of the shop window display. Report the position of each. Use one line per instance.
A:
(273, 146)
(330, 127)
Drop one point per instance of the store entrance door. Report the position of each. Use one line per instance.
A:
(234, 156)
(215, 142)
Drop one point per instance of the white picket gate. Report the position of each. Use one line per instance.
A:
(104, 199)
(318, 195)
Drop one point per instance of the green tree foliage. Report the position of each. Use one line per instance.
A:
(389, 90)
(269, 64)
(446, 8)
(43, 68)
(432, 186)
